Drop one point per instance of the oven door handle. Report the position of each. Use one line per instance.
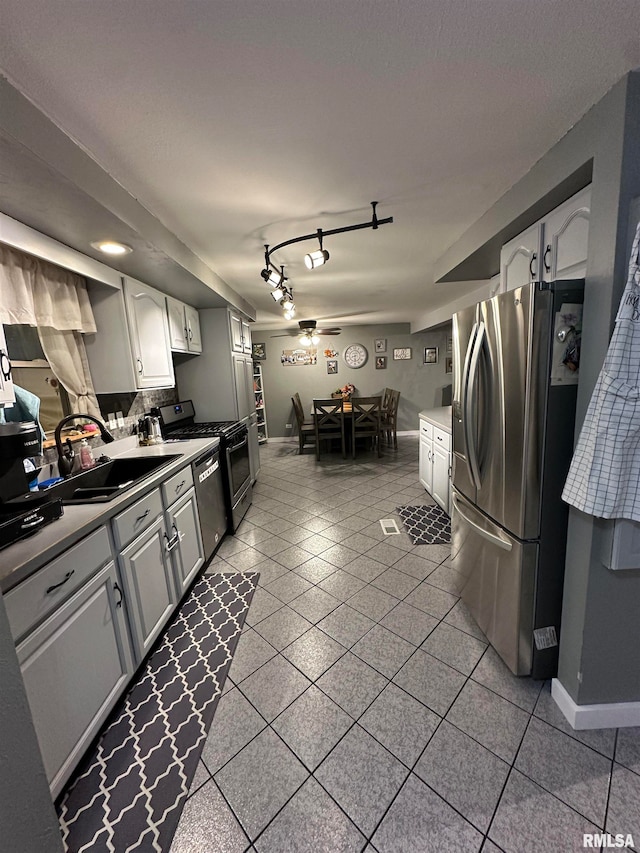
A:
(239, 444)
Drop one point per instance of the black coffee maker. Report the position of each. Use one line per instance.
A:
(21, 512)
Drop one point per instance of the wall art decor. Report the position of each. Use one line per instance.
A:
(381, 345)
(381, 362)
(402, 354)
(329, 352)
(259, 351)
(430, 355)
(298, 357)
(332, 365)
(448, 364)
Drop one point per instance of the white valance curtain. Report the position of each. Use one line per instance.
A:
(55, 301)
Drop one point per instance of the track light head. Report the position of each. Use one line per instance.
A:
(277, 294)
(272, 277)
(316, 259)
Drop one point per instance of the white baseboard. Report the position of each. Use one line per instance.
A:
(610, 715)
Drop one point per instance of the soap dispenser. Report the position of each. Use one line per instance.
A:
(86, 455)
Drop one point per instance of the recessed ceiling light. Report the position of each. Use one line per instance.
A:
(110, 247)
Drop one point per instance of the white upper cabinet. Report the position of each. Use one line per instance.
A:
(184, 327)
(566, 238)
(6, 383)
(131, 349)
(149, 329)
(520, 259)
(553, 248)
(240, 333)
(193, 329)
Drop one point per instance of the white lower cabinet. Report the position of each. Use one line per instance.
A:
(435, 462)
(75, 666)
(149, 588)
(185, 542)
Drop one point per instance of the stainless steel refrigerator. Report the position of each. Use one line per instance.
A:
(515, 385)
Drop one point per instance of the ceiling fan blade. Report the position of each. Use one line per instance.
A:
(328, 331)
(287, 335)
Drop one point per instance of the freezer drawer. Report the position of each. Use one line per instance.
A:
(499, 588)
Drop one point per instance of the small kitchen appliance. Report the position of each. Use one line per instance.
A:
(22, 512)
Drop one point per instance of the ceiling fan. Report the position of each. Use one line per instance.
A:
(308, 333)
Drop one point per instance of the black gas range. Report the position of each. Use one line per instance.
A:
(178, 421)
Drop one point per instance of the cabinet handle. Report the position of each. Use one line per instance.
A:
(62, 582)
(140, 366)
(547, 251)
(190, 335)
(142, 517)
(118, 590)
(534, 257)
(186, 333)
(179, 486)
(171, 543)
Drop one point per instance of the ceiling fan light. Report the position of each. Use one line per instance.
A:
(277, 294)
(315, 339)
(305, 340)
(316, 259)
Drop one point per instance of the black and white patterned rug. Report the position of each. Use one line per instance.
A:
(426, 525)
(129, 793)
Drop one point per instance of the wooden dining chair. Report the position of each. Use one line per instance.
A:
(366, 416)
(306, 429)
(328, 419)
(390, 417)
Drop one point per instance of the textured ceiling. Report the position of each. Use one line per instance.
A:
(244, 122)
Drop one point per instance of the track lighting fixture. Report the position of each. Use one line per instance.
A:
(316, 259)
(277, 294)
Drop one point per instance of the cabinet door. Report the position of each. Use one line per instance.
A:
(75, 666)
(178, 333)
(149, 327)
(426, 463)
(440, 482)
(185, 544)
(520, 259)
(6, 384)
(149, 588)
(243, 380)
(246, 337)
(254, 448)
(235, 324)
(193, 329)
(566, 238)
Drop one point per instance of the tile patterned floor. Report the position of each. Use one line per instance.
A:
(364, 710)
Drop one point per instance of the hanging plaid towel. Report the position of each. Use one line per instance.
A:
(604, 477)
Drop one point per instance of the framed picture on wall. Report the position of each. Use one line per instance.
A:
(332, 365)
(259, 351)
(381, 362)
(402, 354)
(448, 364)
(449, 345)
(381, 345)
(430, 355)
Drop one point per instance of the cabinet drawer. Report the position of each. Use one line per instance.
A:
(176, 486)
(136, 518)
(426, 429)
(441, 438)
(38, 596)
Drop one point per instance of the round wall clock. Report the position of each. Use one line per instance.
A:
(356, 355)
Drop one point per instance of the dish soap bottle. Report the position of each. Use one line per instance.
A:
(86, 455)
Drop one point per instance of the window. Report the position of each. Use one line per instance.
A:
(31, 370)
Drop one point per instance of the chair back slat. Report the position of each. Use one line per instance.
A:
(328, 419)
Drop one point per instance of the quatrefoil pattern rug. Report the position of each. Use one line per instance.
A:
(129, 793)
(426, 525)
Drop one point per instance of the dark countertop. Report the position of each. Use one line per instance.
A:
(19, 561)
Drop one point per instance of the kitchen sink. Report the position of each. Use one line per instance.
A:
(108, 480)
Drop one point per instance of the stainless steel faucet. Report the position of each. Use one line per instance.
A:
(65, 457)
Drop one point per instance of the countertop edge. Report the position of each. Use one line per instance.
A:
(22, 559)
(440, 417)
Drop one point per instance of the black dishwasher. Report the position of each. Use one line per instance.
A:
(207, 477)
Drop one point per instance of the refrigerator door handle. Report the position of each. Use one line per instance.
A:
(466, 425)
(469, 401)
(496, 539)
